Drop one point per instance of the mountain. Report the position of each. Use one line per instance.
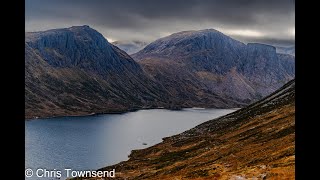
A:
(75, 71)
(286, 50)
(256, 142)
(130, 47)
(207, 64)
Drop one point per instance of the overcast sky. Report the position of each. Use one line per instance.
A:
(265, 21)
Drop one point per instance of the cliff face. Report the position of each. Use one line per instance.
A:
(212, 63)
(255, 142)
(75, 71)
(266, 69)
(83, 48)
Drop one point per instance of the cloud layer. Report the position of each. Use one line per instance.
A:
(263, 21)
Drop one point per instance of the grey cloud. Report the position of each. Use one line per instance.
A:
(271, 41)
(148, 19)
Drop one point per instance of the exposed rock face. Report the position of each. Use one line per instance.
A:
(256, 142)
(75, 71)
(130, 47)
(81, 47)
(212, 63)
(266, 69)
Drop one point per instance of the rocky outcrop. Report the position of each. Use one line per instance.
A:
(212, 63)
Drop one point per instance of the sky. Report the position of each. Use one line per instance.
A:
(270, 22)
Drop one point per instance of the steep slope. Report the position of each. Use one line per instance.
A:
(256, 142)
(76, 71)
(208, 63)
(130, 47)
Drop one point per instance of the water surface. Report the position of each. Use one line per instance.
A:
(92, 142)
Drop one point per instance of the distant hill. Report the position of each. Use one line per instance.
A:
(130, 47)
(199, 64)
(256, 142)
(286, 50)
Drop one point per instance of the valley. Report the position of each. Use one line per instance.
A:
(76, 71)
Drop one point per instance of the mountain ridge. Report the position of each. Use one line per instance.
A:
(211, 57)
(76, 71)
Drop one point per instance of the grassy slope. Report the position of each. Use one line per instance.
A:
(254, 142)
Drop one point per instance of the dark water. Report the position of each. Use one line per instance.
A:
(91, 142)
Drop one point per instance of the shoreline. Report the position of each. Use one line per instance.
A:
(122, 112)
(226, 146)
(161, 139)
